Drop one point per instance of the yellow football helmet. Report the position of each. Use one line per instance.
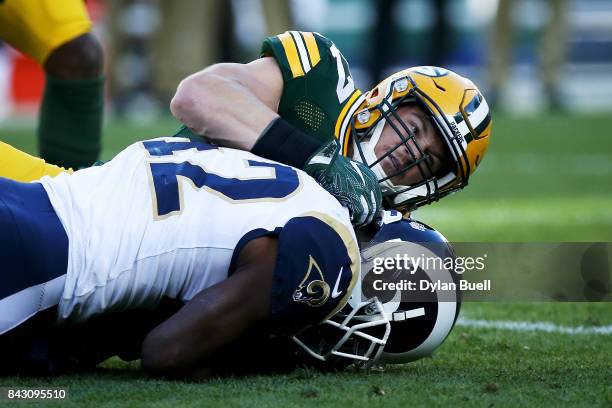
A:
(462, 119)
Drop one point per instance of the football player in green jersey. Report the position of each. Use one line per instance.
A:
(422, 131)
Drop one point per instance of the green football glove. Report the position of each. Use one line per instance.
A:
(351, 182)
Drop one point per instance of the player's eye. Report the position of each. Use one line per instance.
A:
(414, 128)
(433, 164)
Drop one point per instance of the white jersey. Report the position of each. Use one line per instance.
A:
(162, 219)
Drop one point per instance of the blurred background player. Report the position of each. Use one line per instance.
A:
(212, 24)
(552, 49)
(56, 34)
(146, 39)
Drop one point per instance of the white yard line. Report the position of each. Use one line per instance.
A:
(503, 214)
(547, 327)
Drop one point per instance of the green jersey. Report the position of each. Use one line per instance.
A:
(319, 96)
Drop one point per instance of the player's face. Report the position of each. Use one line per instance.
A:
(426, 135)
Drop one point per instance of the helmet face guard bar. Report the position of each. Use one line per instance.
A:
(354, 343)
(405, 136)
(429, 179)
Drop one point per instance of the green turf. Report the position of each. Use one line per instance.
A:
(544, 179)
(474, 367)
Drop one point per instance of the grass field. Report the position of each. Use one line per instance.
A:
(544, 180)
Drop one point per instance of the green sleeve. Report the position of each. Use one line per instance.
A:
(314, 96)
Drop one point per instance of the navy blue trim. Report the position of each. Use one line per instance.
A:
(459, 118)
(33, 242)
(471, 108)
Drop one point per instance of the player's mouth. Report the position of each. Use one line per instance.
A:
(395, 163)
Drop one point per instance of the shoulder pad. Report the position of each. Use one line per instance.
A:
(297, 52)
(316, 269)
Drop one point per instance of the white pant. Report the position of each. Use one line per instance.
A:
(19, 307)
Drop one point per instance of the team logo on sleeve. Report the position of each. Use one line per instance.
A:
(313, 290)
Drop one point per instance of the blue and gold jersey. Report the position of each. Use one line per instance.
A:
(319, 95)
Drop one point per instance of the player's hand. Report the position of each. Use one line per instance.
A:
(351, 182)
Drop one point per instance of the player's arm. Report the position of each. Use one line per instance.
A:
(183, 345)
(235, 105)
(230, 103)
(280, 284)
(20, 166)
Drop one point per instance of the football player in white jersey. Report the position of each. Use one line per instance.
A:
(236, 240)
(135, 306)
(202, 261)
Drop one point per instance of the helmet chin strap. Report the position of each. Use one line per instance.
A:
(421, 191)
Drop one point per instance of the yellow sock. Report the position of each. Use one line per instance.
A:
(20, 166)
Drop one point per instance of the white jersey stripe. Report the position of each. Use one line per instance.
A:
(302, 50)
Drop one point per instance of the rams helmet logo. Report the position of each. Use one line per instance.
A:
(313, 290)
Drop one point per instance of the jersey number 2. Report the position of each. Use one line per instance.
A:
(166, 177)
(345, 86)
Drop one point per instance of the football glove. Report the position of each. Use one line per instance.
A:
(352, 183)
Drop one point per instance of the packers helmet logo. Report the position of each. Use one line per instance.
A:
(313, 290)
(433, 72)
